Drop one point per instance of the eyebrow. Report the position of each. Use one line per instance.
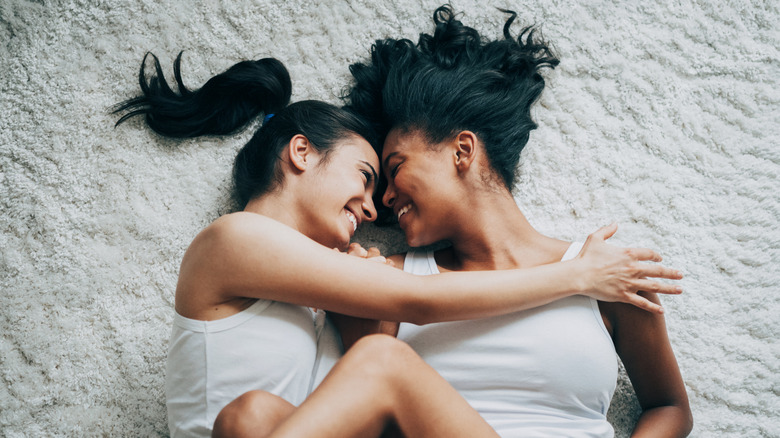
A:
(376, 176)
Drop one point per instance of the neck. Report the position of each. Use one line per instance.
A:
(277, 205)
(495, 234)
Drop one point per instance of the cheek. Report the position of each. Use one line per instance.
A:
(424, 193)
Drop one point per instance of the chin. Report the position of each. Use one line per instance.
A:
(415, 241)
(342, 245)
(340, 241)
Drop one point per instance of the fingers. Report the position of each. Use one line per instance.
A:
(356, 250)
(375, 256)
(657, 271)
(645, 304)
(373, 253)
(604, 233)
(657, 287)
(644, 254)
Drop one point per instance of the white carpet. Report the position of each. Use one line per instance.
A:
(664, 116)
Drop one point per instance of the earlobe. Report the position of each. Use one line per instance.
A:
(299, 150)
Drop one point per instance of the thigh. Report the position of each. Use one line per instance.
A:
(382, 385)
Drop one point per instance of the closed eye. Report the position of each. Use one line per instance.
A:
(394, 170)
(371, 176)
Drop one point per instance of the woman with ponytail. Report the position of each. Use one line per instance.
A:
(244, 334)
(454, 112)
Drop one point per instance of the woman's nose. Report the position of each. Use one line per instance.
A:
(369, 210)
(389, 197)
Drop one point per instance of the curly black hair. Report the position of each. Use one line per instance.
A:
(455, 80)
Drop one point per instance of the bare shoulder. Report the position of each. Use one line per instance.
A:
(241, 222)
(623, 317)
(240, 227)
(233, 251)
(232, 236)
(213, 259)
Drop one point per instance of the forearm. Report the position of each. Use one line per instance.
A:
(664, 421)
(469, 295)
(376, 291)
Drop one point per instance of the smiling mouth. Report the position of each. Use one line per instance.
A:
(352, 219)
(403, 210)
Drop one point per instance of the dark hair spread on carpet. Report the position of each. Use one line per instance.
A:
(452, 81)
(228, 102)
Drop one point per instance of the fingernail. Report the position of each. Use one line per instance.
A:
(661, 310)
(678, 289)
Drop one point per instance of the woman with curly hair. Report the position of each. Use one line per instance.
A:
(455, 112)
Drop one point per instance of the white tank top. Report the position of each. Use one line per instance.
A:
(544, 372)
(271, 346)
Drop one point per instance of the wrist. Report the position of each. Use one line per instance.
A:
(579, 277)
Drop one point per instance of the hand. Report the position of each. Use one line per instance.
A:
(614, 274)
(372, 254)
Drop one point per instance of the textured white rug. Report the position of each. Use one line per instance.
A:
(664, 116)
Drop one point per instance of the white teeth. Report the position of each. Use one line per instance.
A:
(403, 210)
(352, 219)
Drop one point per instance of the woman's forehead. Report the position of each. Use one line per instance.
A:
(402, 140)
(360, 149)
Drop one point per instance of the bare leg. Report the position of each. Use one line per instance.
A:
(378, 382)
(253, 414)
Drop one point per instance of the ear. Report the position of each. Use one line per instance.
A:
(465, 146)
(300, 152)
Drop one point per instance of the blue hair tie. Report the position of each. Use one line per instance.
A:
(267, 118)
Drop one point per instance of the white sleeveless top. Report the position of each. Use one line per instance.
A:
(271, 346)
(544, 372)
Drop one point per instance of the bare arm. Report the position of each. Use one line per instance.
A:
(643, 345)
(249, 255)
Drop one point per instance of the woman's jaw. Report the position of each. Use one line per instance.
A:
(424, 225)
(348, 222)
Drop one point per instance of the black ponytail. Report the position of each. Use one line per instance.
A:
(224, 105)
(228, 102)
(453, 80)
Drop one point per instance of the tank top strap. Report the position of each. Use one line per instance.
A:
(420, 262)
(573, 251)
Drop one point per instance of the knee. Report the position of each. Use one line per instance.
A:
(381, 354)
(255, 414)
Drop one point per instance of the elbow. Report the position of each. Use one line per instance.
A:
(686, 417)
(687, 421)
(675, 418)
